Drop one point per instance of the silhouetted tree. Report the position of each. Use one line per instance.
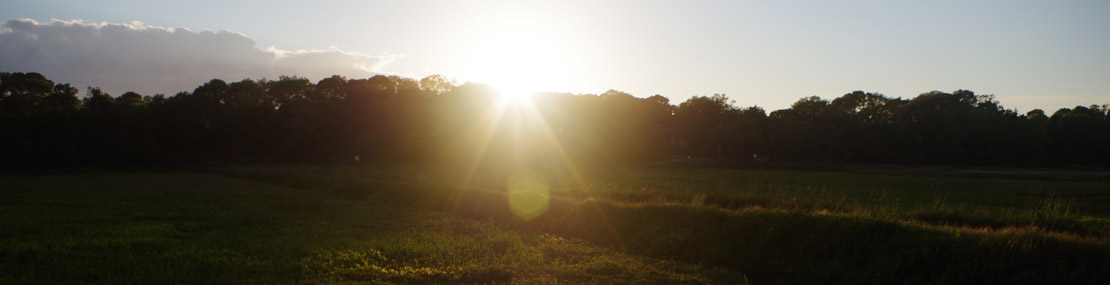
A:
(1080, 135)
(22, 94)
(386, 119)
(704, 123)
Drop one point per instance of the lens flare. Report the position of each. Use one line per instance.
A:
(528, 194)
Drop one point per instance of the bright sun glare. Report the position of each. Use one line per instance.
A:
(518, 62)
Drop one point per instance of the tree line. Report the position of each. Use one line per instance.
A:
(389, 119)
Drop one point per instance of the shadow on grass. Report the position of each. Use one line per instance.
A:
(199, 228)
(769, 246)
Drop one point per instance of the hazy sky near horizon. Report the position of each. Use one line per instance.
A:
(1030, 54)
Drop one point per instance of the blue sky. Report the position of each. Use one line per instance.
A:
(1030, 54)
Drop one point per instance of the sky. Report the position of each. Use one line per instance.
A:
(1029, 54)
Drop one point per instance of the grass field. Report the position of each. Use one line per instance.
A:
(156, 228)
(644, 225)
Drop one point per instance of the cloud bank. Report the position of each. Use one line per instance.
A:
(148, 59)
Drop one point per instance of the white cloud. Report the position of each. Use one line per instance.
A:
(149, 59)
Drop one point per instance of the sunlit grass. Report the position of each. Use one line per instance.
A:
(398, 225)
(796, 227)
(199, 228)
(1065, 206)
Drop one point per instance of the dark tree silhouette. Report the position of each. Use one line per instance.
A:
(391, 119)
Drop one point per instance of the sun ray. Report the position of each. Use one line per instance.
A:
(519, 62)
(545, 128)
(499, 108)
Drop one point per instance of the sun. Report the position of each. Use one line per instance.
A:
(519, 62)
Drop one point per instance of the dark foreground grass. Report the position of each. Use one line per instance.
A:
(156, 228)
(787, 227)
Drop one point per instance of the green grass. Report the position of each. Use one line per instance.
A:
(303, 224)
(1073, 207)
(203, 228)
(783, 226)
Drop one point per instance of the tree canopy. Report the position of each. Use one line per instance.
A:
(386, 119)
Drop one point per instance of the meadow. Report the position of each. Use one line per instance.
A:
(198, 228)
(296, 224)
